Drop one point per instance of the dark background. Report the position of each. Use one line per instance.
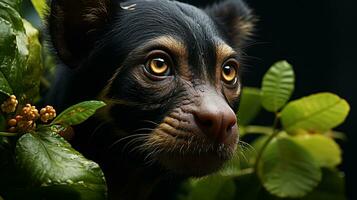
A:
(318, 37)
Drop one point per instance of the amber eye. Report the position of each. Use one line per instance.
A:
(229, 72)
(158, 66)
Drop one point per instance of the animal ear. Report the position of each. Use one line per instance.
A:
(234, 19)
(73, 26)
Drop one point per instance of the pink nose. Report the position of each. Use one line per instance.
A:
(215, 118)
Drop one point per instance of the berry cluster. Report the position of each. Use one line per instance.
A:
(26, 119)
(47, 113)
(9, 105)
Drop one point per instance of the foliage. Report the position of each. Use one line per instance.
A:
(295, 161)
(39, 163)
(296, 158)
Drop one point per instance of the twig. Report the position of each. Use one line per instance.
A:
(267, 142)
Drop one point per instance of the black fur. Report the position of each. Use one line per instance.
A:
(109, 44)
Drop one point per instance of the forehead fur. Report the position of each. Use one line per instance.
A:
(152, 19)
(148, 20)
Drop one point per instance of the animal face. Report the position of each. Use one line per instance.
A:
(169, 72)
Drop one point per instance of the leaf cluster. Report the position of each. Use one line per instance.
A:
(295, 158)
(38, 164)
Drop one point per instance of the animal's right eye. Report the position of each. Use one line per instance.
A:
(158, 64)
(230, 73)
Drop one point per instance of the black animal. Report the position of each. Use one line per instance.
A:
(170, 74)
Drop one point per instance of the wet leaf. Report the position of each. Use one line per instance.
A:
(54, 168)
(78, 113)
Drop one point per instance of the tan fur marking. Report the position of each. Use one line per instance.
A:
(175, 46)
(179, 50)
(223, 51)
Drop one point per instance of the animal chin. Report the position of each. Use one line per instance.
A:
(189, 153)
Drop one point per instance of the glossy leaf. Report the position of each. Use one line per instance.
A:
(277, 86)
(20, 55)
(16, 4)
(325, 150)
(78, 113)
(4, 86)
(316, 113)
(250, 105)
(33, 71)
(288, 170)
(53, 167)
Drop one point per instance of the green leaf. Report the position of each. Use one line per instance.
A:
(316, 113)
(53, 168)
(13, 44)
(277, 86)
(78, 113)
(211, 188)
(288, 170)
(4, 85)
(332, 187)
(250, 105)
(325, 150)
(20, 55)
(13, 3)
(34, 67)
(41, 8)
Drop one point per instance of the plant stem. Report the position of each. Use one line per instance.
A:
(8, 134)
(258, 129)
(275, 132)
(242, 172)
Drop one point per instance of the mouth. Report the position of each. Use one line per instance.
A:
(190, 152)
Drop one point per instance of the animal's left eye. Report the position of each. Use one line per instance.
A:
(158, 64)
(230, 72)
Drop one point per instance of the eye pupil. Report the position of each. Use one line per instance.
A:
(159, 62)
(227, 70)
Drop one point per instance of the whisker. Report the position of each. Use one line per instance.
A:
(125, 138)
(151, 122)
(134, 141)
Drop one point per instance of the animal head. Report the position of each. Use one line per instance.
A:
(170, 73)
